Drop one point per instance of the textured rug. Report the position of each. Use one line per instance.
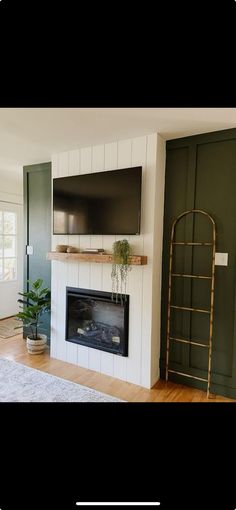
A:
(7, 328)
(19, 383)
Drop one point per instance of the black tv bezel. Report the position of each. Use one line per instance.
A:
(101, 233)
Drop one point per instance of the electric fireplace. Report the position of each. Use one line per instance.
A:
(94, 320)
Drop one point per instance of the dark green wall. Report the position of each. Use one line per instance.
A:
(201, 174)
(37, 227)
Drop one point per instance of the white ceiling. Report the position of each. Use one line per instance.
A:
(32, 135)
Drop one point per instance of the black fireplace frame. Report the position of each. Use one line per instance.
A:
(106, 296)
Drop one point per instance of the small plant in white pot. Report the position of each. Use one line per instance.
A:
(36, 302)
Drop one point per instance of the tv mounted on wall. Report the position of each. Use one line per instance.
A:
(98, 203)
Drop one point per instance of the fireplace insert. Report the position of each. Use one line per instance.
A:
(94, 320)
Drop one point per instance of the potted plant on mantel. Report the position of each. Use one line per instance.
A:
(122, 252)
(36, 302)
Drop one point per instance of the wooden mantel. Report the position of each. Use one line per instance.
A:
(135, 260)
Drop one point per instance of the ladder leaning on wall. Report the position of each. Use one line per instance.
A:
(170, 336)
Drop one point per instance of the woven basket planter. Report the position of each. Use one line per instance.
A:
(36, 346)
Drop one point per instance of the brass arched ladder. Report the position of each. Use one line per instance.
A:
(172, 337)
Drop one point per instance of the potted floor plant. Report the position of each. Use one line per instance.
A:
(34, 304)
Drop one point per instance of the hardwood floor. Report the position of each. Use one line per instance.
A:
(14, 348)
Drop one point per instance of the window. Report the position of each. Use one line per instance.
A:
(8, 260)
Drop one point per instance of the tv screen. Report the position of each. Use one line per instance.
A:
(98, 203)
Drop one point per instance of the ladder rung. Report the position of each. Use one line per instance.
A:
(188, 342)
(190, 309)
(191, 276)
(187, 375)
(194, 244)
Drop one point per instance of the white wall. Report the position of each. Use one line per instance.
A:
(11, 185)
(142, 364)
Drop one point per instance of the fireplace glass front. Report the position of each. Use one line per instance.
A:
(94, 320)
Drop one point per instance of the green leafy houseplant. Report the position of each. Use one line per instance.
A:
(34, 304)
(120, 268)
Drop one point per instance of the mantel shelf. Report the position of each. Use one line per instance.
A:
(135, 260)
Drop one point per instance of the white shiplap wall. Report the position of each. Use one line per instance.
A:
(138, 367)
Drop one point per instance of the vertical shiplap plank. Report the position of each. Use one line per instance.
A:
(61, 310)
(96, 241)
(133, 361)
(63, 171)
(74, 169)
(84, 268)
(98, 158)
(124, 160)
(54, 242)
(124, 153)
(84, 275)
(86, 160)
(85, 240)
(119, 367)
(96, 270)
(106, 273)
(74, 241)
(120, 364)
(72, 281)
(54, 308)
(139, 150)
(63, 164)
(135, 284)
(79, 163)
(148, 229)
(84, 283)
(74, 162)
(107, 363)
(110, 163)
(82, 356)
(94, 360)
(54, 274)
(111, 156)
(54, 176)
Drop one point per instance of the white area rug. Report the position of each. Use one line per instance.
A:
(19, 383)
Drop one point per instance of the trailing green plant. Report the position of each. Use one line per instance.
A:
(120, 268)
(34, 304)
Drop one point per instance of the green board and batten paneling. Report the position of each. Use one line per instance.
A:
(37, 227)
(201, 174)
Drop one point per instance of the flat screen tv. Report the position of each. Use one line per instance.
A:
(98, 203)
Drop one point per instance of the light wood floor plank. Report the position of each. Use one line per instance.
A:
(14, 348)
